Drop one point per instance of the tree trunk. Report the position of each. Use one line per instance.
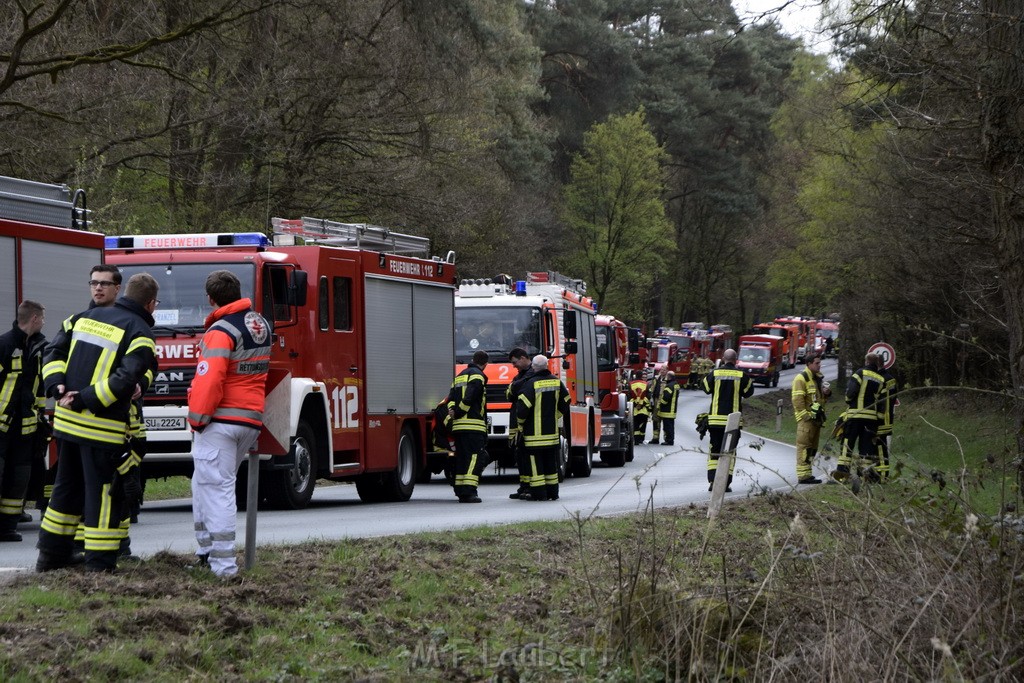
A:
(1002, 81)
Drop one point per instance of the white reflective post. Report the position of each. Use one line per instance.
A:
(732, 437)
(251, 505)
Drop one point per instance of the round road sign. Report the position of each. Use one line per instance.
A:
(887, 353)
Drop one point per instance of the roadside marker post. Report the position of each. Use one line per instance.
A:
(725, 460)
(252, 504)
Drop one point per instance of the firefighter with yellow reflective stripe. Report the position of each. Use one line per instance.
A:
(641, 406)
(20, 393)
(467, 406)
(542, 399)
(667, 400)
(93, 369)
(864, 394)
(522, 362)
(886, 415)
(809, 396)
(728, 387)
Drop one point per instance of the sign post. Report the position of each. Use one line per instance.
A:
(886, 352)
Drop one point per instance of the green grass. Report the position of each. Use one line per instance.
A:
(962, 438)
(893, 581)
(168, 488)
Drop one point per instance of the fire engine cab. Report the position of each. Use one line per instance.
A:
(546, 313)
(362, 349)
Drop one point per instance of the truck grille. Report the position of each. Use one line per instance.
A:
(496, 393)
(170, 384)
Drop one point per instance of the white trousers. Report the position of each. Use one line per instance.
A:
(217, 451)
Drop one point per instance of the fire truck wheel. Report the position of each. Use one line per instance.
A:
(396, 485)
(613, 458)
(775, 380)
(629, 449)
(292, 488)
(581, 461)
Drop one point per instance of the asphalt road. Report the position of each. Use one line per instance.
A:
(667, 475)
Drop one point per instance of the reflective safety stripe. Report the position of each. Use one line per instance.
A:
(60, 523)
(254, 415)
(11, 506)
(86, 425)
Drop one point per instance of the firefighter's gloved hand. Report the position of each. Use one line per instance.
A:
(131, 487)
(818, 413)
(137, 447)
(127, 461)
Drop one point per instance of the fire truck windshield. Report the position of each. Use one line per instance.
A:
(605, 348)
(496, 330)
(753, 355)
(183, 300)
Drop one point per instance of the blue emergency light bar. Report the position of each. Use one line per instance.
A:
(197, 241)
(520, 287)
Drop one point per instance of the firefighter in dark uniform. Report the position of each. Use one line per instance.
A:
(93, 370)
(654, 390)
(728, 387)
(864, 395)
(641, 406)
(521, 361)
(20, 370)
(542, 399)
(886, 415)
(668, 399)
(467, 406)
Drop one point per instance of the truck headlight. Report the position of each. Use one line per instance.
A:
(608, 429)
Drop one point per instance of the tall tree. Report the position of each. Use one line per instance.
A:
(615, 213)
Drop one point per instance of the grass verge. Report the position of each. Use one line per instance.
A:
(895, 581)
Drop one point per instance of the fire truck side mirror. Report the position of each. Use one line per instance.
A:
(634, 358)
(571, 347)
(569, 324)
(297, 288)
(633, 341)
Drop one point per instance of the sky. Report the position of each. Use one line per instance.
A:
(798, 17)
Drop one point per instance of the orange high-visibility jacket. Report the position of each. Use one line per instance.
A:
(231, 375)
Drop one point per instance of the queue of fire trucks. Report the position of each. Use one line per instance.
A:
(368, 331)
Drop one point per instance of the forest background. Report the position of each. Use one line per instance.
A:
(688, 165)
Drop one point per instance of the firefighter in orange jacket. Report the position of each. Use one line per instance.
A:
(225, 408)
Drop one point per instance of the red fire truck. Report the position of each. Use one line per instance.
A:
(760, 357)
(617, 352)
(790, 335)
(545, 313)
(46, 252)
(807, 330)
(362, 349)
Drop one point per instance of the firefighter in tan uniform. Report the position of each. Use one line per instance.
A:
(467, 406)
(809, 397)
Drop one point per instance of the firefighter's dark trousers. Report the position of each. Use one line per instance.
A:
(668, 430)
(639, 427)
(470, 461)
(522, 464)
(859, 442)
(15, 470)
(544, 473)
(716, 435)
(82, 493)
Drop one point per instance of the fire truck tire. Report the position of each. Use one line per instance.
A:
(292, 488)
(613, 458)
(629, 449)
(775, 379)
(581, 460)
(396, 485)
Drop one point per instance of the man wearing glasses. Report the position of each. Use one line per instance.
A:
(94, 369)
(104, 285)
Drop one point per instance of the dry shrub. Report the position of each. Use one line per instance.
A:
(838, 592)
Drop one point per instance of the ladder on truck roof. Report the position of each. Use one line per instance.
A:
(42, 203)
(358, 235)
